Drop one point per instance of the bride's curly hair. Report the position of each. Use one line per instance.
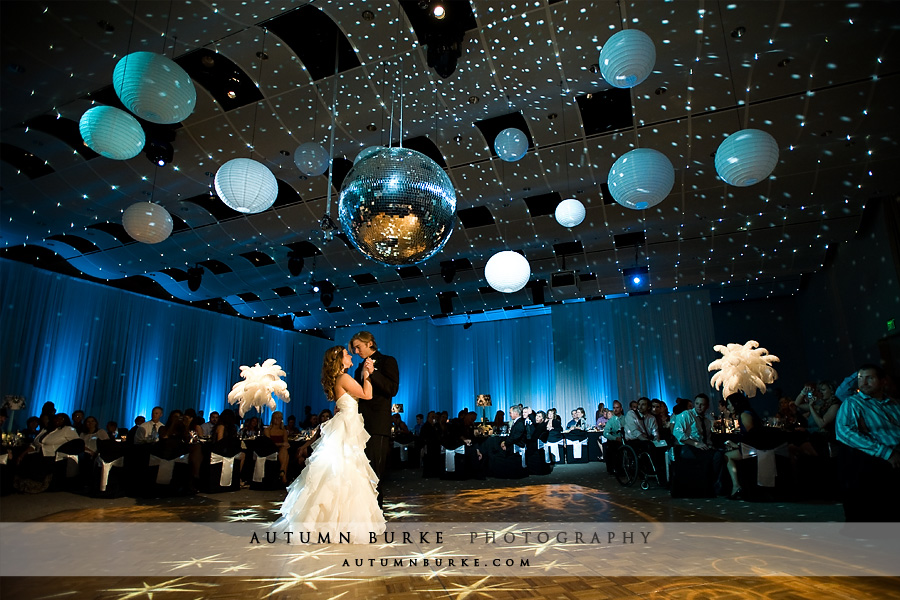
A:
(332, 367)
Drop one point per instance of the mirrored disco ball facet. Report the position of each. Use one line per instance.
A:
(397, 206)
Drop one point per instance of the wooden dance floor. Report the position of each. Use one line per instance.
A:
(572, 494)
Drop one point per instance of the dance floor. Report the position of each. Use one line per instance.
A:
(747, 552)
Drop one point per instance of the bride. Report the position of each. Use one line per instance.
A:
(336, 492)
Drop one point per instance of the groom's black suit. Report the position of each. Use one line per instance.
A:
(376, 413)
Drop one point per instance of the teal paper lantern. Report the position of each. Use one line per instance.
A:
(746, 157)
(511, 144)
(111, 132)
(246, 185)
(311, 159)
(147, 222)
(154, 88)
(627, 58)
(641, 178)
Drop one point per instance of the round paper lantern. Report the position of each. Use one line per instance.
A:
(569, 213)
(746, 157)
(311, 159)
(154, 87)
(246, 185)
(641, 178)
(507, 271)
(627, 58)
(147, 222)
(511, 144)
(367, 152)
(111, 132)
(397, 206)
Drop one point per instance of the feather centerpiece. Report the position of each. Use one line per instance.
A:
(746, 368)
(260, 382)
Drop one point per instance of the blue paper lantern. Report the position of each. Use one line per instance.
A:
(111, 132)
(147, 222)
(746, 157)
(311, 159)
(511, 144)
(627, 58)
(246, 186)
(641, 178)
(507, 271)
(154, 88)
(569, 213)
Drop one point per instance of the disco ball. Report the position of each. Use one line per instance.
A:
(397, 206)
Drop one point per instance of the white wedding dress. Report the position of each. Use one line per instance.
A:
(336, 491)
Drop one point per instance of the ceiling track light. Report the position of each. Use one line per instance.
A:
(194, 277)
(295, 264)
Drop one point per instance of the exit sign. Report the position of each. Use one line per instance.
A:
(892, 325)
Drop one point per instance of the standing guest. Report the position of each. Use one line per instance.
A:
(869, 423)
(430, 440)
(148, 432)
(48, 412)
(420, 420)
(279, 436)
(384, 375)
(208, 428)
(307, 415)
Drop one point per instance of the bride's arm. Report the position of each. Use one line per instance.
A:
(349, 385)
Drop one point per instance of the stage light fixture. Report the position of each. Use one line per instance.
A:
(448, 273)
(438, 11)
(326, 293)
(295, 264)
(194, 278)
(637, 279)
(160, 153)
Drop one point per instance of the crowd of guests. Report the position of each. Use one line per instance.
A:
(858, 420)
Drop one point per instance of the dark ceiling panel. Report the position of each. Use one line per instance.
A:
(26, 162)
(364, 279)
(477, 216)
(410, 272)
(249, 297)
(114, 229)
(62, 129)
(629, 240)
(568, 248)
(313, 37)
(605, 111)
(218, 209)
(544, 204)
(424, 145)
(224, 80)
(179, 275)
(216, 267)
(79, 243)
(304, 249)
(258, 259)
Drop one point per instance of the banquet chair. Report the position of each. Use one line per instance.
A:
(577, 448)
(221, 471)
(67, 466)
(108, 470)
(764, 475)
(691, 474)
(266, 467)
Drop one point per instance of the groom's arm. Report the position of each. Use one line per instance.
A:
(386, 377)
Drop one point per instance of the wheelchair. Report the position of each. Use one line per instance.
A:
(635, 463)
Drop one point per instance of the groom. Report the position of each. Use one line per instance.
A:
(376, 412)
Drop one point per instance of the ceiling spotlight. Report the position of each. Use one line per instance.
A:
(160, 153)
(468, 323)
(739, 32)
(194, 277)
(438, 11)
(315, 288)
(448, 273)
(637, 279)
(326, 293)
(295, 264)
(368, 15)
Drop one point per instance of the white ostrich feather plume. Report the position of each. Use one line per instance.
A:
(744, 368)
(260, 382)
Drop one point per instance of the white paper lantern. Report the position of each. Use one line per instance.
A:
(147, 222)
(154, 87)
(641, 178)
(311, 159)
(569, 213)
(746, 157)
(111, 132)
(511, 144)
(507, 271)
(246, 186)
(367, 152)
(627, 58)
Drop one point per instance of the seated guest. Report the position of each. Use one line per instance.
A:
(664, 424)
(250, 429)
(148, 432)
(868, 422)
(50, 440)
(681, 405)
(430, 439)
(724, 413)
(540, 428)
(517, 434)
(34, 466)
(279, 435)
(578, 421)
(208, 428)
(602, 417)
(324, 416)
(417, 429)
(614, 433)
(193, 422)
(307, 415)
(292, 426)
(48, 412)
(460, 433)
(31, 429)
(226, 441)
(693, 431)
(504, 461)
(175, 415)
(399, 427)
(640, 424)
(554, 427)
(819, 408)
(112, 430)
(78, 421)
(499, 419)
(91, 434)
(788, 414)
(313, 422)
(133, 432)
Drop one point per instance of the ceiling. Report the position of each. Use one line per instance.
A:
(821, 77)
